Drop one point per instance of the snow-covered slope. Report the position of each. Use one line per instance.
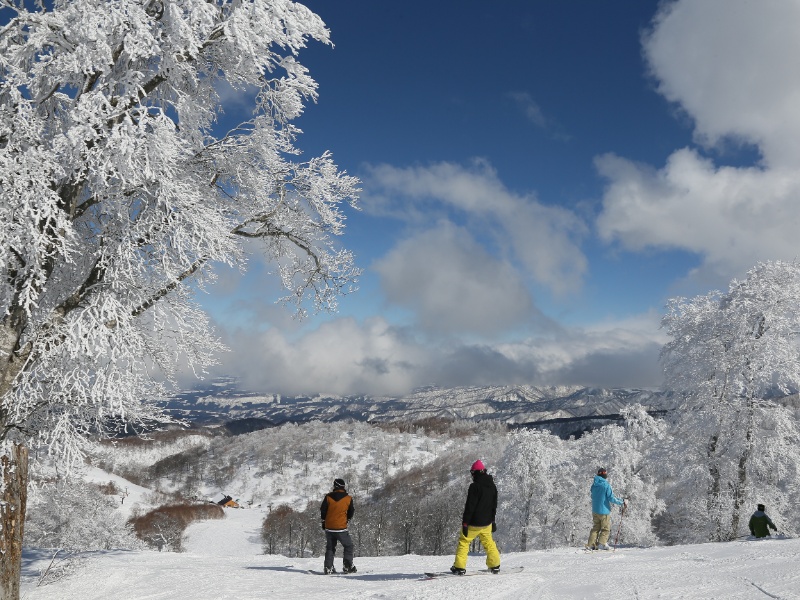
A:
(224, 561)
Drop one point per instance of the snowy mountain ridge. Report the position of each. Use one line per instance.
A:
(222, 400)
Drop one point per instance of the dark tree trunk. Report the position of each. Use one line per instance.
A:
(740, 491)
(526, 519)
(713, 500)
(12, 519)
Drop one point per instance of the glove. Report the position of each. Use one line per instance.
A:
(464, 529)
(494, 527)
(323, 525)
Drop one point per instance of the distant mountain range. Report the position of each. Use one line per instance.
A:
(564, 410)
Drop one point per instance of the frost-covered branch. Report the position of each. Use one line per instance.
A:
(116, 192)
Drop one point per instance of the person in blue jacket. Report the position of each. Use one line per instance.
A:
(602, 499)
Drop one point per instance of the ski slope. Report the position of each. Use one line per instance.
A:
(223, 561)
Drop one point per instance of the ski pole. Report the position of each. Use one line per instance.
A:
(621, 514)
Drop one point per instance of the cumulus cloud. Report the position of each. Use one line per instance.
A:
(731, 66)
(453, 285)
(733, 217)
(543, 240)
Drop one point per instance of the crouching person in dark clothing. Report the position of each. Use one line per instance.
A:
(336, 511)
(760, 523)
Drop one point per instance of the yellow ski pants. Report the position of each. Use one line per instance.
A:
(485, 535)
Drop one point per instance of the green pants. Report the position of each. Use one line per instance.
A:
(485, 535)
(601, 528)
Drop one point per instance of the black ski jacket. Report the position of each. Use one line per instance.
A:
(481, 506)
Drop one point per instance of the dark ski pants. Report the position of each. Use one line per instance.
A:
(331, 537)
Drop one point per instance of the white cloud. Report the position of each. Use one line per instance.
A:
(347, 357)
(543, 240)
(612, 354)
(731, 66)
(733, 217)
(339, 357)
(453, 284)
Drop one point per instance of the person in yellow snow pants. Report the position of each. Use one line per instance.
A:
(480, 510)
(485, 535)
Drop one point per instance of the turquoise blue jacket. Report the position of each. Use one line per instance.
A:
(602, 496)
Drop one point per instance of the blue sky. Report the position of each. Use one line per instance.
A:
(538, 179)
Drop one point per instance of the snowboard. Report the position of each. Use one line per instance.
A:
(468, 573)
(337, 574)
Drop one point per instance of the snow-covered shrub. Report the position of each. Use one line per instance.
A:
(76, 516)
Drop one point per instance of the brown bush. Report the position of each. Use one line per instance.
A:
(163, 527)
(109, 489)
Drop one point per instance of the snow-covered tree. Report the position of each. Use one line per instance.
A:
(630, 452)
(77, 516)
(547, 481)
(733, 355)
(119, 191)
(544, 497)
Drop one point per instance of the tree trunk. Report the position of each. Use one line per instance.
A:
(713, 499)
(740, 491)
(12, 519)
(526, 519)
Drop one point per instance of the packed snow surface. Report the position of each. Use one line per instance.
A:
(223, 560)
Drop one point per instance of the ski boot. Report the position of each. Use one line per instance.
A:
(330, 570)
(457, 571)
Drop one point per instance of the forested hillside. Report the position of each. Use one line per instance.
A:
(409, 482)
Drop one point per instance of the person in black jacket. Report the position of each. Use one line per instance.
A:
(336, 511)
(760, 523)
(478, 520)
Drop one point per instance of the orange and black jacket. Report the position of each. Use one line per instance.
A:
(336, 510)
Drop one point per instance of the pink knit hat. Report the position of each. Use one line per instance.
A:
(477, 466)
